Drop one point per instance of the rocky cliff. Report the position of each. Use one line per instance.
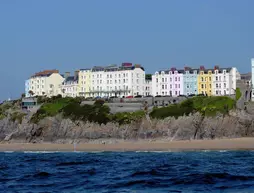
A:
(59, 130)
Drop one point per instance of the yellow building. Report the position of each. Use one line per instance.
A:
(84, 82)
(205, 81)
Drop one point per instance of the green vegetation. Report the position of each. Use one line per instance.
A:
(208, 106)
(51, 107)
(127, 117)
(17, 116)
(238, 94)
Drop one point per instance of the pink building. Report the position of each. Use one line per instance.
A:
(175, 82)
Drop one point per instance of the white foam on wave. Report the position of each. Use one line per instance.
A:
(8, 151)
(41, 152)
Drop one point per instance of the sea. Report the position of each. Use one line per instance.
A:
(195, 171)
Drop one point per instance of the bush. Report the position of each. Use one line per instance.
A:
(98, 112)
(128, 117)
(238, 94)
(17, 116)
(208, 106)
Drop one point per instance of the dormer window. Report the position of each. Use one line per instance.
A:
(216, 71)
(170, 72)
(224, 71)
(195, 72)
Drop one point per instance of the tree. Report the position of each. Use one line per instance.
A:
(23, 95)
(31, 93)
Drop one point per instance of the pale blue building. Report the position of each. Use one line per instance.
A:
(190, 81)
(27, 85)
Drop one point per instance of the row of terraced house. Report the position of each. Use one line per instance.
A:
(128, 80)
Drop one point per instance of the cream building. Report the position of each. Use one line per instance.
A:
(46, 83)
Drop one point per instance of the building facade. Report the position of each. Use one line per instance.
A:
(70, 86)
(224, 81)
(27, 87)
(46, 83)
(190, 80)
(125, 80)
(84, 82)
(168, 83)
(205, 81)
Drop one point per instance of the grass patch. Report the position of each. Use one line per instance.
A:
(51, 108)
(238, 94)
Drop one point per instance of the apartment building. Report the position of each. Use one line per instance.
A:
(205, 81)
(252, 78)
(84, 82)
(190, 79)
(70, 85)
(224, 81)
(45, 83)
(168, 82)
(112, 80)
(217, 81)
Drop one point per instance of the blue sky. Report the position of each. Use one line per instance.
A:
(159, 34)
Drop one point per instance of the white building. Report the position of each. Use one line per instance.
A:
(126, 80)
(148, 88)
(252, 78)
(224, 81)
(70, 86)
(46, 83)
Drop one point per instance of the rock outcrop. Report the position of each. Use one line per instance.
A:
(59, 130)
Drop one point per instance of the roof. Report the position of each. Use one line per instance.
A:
(191, 71)
(71, 79)
(45, 73)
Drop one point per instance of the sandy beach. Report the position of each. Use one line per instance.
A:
(141, 145)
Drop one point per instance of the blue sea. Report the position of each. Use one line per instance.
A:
(197, 171)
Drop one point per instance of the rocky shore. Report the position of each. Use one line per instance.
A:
(64, 131)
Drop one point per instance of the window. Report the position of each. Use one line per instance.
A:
(176, 86)
(216, 78)
(157, 80)
(171, 86)
(175, 92)
(162, 79)
(97, 75)
(165, 79)
(216, 85)
(202, 86)
(175, 78)
(162, 86)
(165, 86)
(178, 78)
(225, 85)
(170, 79)
(202, 79)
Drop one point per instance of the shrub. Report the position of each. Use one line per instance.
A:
(208, 106)
(128, 117)
(17, 116)
(238, 94)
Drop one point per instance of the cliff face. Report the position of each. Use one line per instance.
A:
(58, 130)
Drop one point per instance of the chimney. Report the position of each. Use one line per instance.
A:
(186, 68)
(67, 74)
(216, 67)
(76, 75)
(202, 68)
(173, 69)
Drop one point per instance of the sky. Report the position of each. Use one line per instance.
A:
(159, 34)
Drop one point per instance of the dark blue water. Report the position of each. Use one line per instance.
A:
(213, 171)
